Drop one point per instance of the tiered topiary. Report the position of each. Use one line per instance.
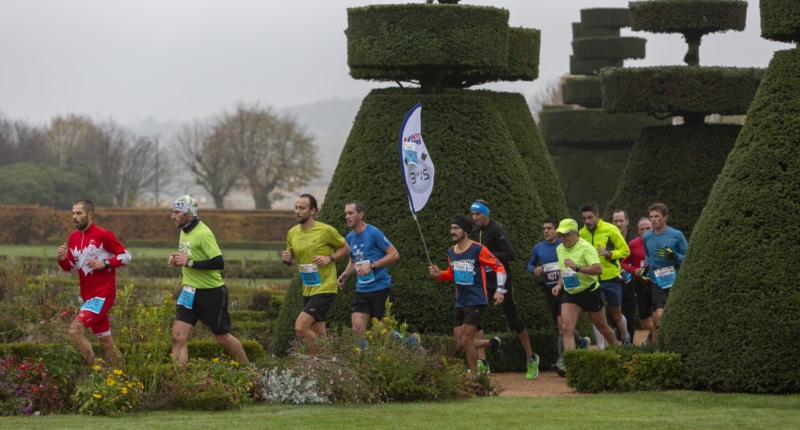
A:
(677, 165)
(733, 312)
(483, 144)
(588, 146)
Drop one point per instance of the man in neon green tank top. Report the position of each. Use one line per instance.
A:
(313, 247)
(204, 296)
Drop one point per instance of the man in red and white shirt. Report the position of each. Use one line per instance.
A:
(94, 253)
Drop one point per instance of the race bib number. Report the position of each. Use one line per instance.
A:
(186, 299)
(463, 273)
(665, 277)
(550, 272)
(570, 279)
(309, 274)
(94, 305)
(366, 279)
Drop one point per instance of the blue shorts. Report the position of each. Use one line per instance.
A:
(612, 293)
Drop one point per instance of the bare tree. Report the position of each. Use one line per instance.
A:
(21, 142)
(275, 154)
(549, 95)
(211, 162)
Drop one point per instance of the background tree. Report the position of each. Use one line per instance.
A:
(22, 142)
(733, 309)
(211, 162)
(274, 154)
(29, 183)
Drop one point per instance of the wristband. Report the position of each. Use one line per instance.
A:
(288, 263)
(501, 290)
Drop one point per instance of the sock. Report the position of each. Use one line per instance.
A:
(577, 337)
(599, 339)
(530, 358)
(560, 345)
(623, 328)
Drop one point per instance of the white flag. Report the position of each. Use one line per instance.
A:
(416, 162)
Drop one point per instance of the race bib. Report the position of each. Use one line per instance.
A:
(309, 274)
(186, 299)
(366, 279)
(550, 272)
(665, 277)
(463, 273)
(570, 279)
(94, 305)
(628, 276)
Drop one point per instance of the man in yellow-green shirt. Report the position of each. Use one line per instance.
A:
(313, 247)
(204, 296)
(580, 267)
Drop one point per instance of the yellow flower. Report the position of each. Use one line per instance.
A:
(216, 360)
(117, 372)
(95, 367)
(97, 396)
(233, 363)
(124, 390)
(140, 385)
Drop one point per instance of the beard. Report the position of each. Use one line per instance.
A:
(81, 225)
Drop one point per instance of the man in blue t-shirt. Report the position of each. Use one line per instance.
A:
(370, 253)
(544, 263)
(664, 249)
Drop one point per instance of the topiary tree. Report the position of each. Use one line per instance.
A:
(590, 140)
(664, 156)
(733, 309)
(484, 145)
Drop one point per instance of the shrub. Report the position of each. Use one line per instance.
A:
(216, 384)
(107, 391)
(284, 387)
(26, 388)
(622, 368)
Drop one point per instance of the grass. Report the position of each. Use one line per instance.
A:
(141, 252)
(663, 410)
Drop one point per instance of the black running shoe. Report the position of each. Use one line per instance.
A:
(495, 345)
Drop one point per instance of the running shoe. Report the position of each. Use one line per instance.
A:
(585, 342)
(533, 368)
(495, 345)
(560, 368)
(483, 367)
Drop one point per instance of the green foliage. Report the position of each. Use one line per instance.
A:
(387, 42)
(609, 48)
(674, 165)
(582, 90)
(739, 275)
(27, 389)
(578, 31)
(688, 16)
(780, 20)
(475, 157)
(39, 184)
(622, 368)
(605, 18)
(591, 128)
(680, 90)
(580, 66)
(107, 391)
(209, 384)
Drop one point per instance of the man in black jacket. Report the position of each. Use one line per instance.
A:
(492, 235)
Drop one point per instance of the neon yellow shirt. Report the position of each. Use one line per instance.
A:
(321, 239)
(200, 244)
(583, 254)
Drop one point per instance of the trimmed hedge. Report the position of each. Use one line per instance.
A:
(582, 90)
(578, 66)
(578, 31)
(609, 48)
(674, 165)
(680, 90)
(622, 368)
(34, 225)
(591, 128)
(780, 20)
(681, 16)
(475, 157)
(605, 18)
(740, 276)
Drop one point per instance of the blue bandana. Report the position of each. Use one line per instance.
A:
(479, 207)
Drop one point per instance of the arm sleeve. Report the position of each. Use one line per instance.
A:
(534, 259)
(114, 246)
(682, 246)
(489, 259)
(505, 251)
(621, 249)
(626, 265)
(216, 263)
(447, 275)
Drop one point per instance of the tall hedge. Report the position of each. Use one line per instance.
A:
(475, 156)
(733, 311)
(683, 186)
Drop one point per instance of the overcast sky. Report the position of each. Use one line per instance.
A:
(177, 60)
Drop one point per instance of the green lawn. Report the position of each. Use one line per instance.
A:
(646, 410)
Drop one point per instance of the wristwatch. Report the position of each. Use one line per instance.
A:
(371, 265)
(578, 268)
(331, 257)
(190, 263)
(107, 263)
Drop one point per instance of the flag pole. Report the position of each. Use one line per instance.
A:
(424, 245)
